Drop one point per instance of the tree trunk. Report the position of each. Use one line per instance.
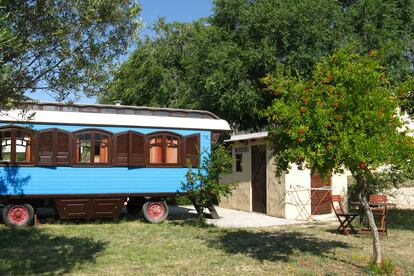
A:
(374, 230)
(197, 206)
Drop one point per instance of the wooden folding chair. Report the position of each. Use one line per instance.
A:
(345, 219)
(379, 211)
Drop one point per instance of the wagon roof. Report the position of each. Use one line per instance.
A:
(116, 115)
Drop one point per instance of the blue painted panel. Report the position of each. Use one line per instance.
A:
(68, 180)
(78, 180)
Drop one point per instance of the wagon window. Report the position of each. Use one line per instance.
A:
(191, 150)
(6, 141)
(101, 148)
(164, 149)
(143, 112)
(70, 109)
(23, 146)
(89, 109)
(161, 113)
(63, 148)
(125, 111)
(16, 146)
(129, 149)
(171, 153)
(54, 147)
(156, 150)
(51, 108)
(137, 150)
(92, 148)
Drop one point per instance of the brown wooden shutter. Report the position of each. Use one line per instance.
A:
(121, 149)
(46, 148)
(63, 147)
(192, 150)
(137, 149)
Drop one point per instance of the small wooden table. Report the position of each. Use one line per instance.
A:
(382, 229)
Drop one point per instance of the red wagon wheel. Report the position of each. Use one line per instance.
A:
(155, 212)
(18, 215)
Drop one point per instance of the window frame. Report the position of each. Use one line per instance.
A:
(129, 153)
(187, 156)
(164, 135)
(33, 152)
(239, 162)
(55, 133)
(93, 132)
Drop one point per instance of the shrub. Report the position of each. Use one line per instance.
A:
(387, 267)
(202, 185)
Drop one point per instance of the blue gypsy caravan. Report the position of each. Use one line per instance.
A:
(87, 161)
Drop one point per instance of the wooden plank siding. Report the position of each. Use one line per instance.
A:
(116, 178)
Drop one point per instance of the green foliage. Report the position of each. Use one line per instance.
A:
(407, 99)
(181, 200)
(63, 47)
(216, 63)
(202, 184)
(345, 117)
(7, 40)
(387, 267)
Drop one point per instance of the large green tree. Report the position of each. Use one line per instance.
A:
(62, 47)
(344, 118)
(217, 63)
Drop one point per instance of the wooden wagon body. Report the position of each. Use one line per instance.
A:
(88, 160)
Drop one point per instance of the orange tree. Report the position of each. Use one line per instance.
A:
(345, 117)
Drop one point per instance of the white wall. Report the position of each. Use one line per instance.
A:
(240, 199)
(298, 204)
(282, 199)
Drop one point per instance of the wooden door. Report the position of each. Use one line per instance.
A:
(321, 198)
(259, 179)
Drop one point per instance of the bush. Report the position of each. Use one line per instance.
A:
(181, 200)
(387, 267)
(202, 185)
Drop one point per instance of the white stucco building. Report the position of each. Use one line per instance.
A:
(259, 190)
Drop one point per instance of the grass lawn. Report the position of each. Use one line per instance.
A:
(178, 247)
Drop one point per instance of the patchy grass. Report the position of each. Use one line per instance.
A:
(179, 247)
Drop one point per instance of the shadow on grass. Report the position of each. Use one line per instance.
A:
(400, 219)
(274, 246)
(192, 222)
(177, 214)
(95, 221)
(185, 216)
(33, 251)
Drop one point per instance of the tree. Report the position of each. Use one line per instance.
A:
(216, 63)
(344, 118)
(202, 185)
(62, 47)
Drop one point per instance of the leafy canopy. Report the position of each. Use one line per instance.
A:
(344, 117)
(62, 47)
(216, 63)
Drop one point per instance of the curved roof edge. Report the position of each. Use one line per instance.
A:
(118, 109)
(109, 119)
